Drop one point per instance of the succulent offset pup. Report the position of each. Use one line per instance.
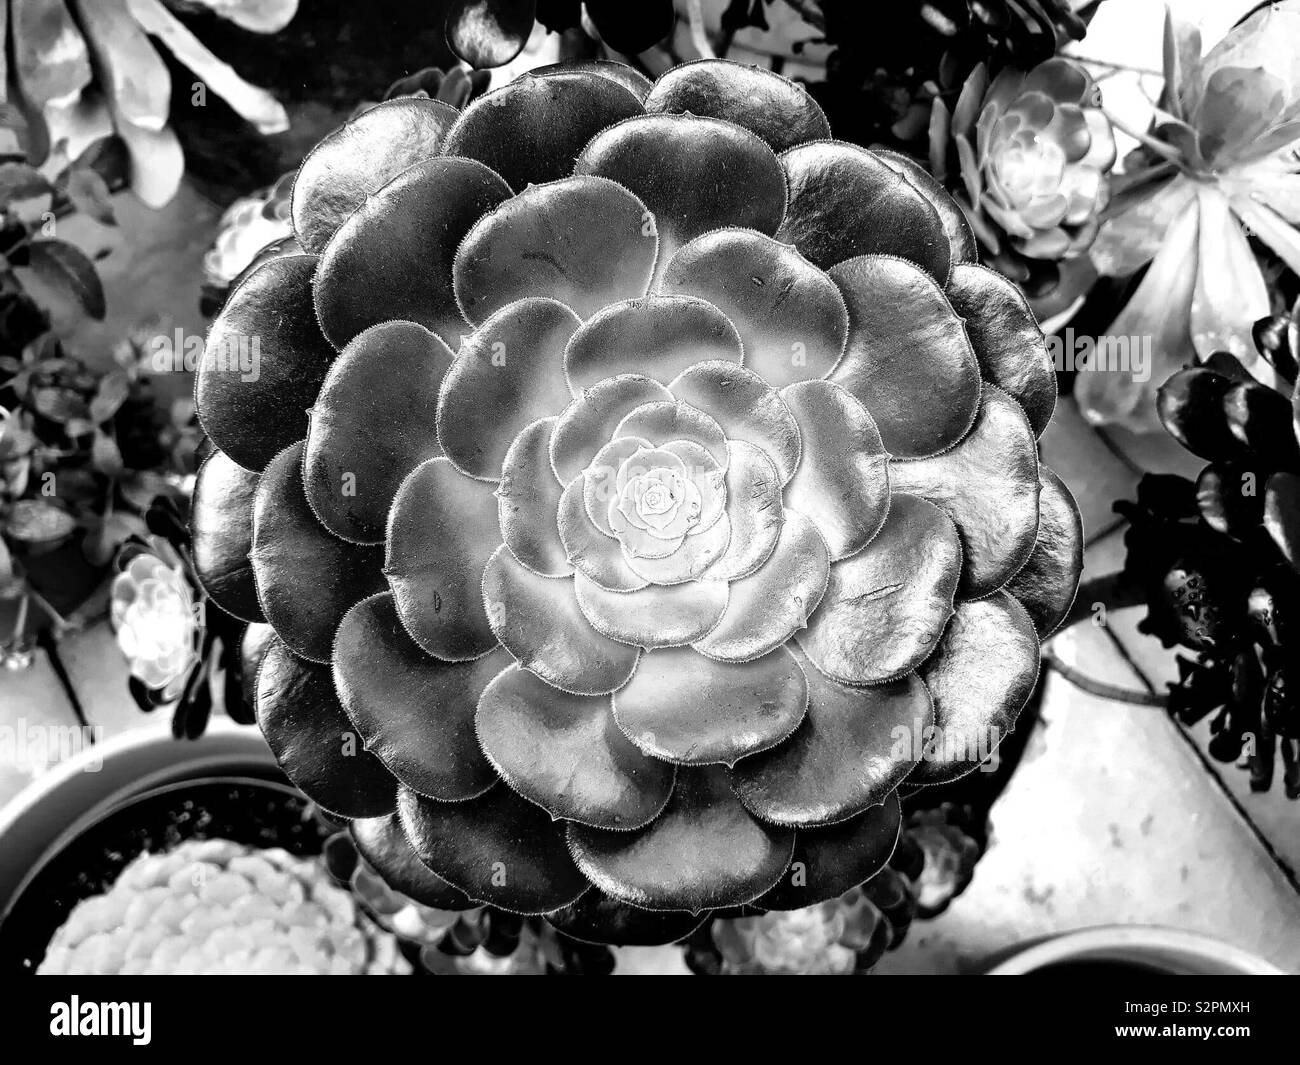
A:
(642, 475)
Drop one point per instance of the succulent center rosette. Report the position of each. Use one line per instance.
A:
(634, 478)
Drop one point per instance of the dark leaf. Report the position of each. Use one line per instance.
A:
(89, 194)
(66, 269)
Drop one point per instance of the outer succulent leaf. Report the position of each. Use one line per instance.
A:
(1224, 504)
(694, 174)
(842, 483)
(690, 561)
(382, 843)
(1282, 514)
(306, 578)
(685, 708)
(1191, 406)
(589, 421)
(1046, 584)
(906, 348)
(498, 849)
(595, 554)
(539, 622)
(361, 157)
(393, 256)
(772, 604)
(532, 130)
(506, 376)
(961, 240)
(754, 512)
(656, 337)
(657, 616)
(980, 677)
(50, 58)
(704, 852)
(313, 740)
(831, 859)
(988, 484)
(415, 713)
(886, 607)
(763, 102)
(528, 501)
(442, 530)
(582, 240)
(489, 33)
(596, 918)
(263, 363)
(131, 73)
(746, 407)
(845, 202)
(662, 422)
(630, 78)
(564, 753)
(221, 525)
(791, 317)
(371, 425)
(1260, 419)
(630, 28)
(856, 746)
(1007, 341)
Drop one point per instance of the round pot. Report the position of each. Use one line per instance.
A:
(69, 833)
(1133, 949)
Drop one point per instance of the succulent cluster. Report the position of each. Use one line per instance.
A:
(1219, 558)
(1029, 156)
(641, 486)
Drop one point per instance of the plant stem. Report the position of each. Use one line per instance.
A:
(1118, 67)
(695, 14)
(1100, 688)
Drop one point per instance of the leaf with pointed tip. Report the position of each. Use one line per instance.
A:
(1047, 582)
(313, 740)
(775, 108)
(772, 604)
(221, 531)
(855, 747)
(694, 174)
(845, 202)
(685, 708)
(582, 240)
(842, 483)
(528, 501)
(306, 578)
(263, 364)
(791, 317)
(596, 918)
(886, 607)
(657, 337)
(393, 256)
(498, 849)
(506, 376)
(532, 129)
(539, 622)
(831, 859)
(746, 407)
(704, 852)
(1282, 514)
(443, 528)
(988, 484)
(908, 359)
(961, 240)
(565, 753)
(980, 678)
(415, 713)
(359, 158)
(382, 843)
(657, 616)
(371, 425)
(586, 424)
(1006, 339)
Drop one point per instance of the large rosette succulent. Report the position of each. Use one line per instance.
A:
(642, 476)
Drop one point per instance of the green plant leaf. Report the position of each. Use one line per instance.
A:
(89, 193)
(1282, 514)
(68, 270)
(34, 521)
(18, 181)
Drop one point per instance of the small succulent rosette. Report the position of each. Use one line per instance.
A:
(634, 473)
(153, 610)
(1028, 156)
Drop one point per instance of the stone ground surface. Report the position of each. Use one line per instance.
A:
(1114, 816)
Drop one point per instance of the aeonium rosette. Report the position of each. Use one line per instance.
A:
(635, 470)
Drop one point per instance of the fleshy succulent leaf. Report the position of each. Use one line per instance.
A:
(382, 843)
(657, 616)
(528, 501)
(754, 512)
(586, 424)
(595, 554)
(596, 918)
(961, 240)
(1046, 584)
(489, 33)
(221, 529)
(1282, 514)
